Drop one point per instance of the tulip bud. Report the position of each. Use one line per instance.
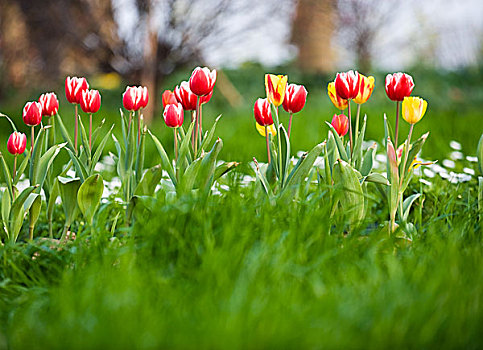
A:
(295, 98)
(413, 109)
(398, 86)
(91, 101)
(262, 112)
(173, 115)
(16, 143)
(270, 128)
(365, 88)
(275, 87)
(135, 97)
(346, 84)
(49, 103)
(168, 97)
(32, 113)
(202, 81)
(74, 87)
(340, 123)
(338, 102)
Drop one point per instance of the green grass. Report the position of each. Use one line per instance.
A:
(237, 272)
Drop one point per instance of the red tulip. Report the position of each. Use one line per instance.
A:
(295, 98)
(398, 86)
(16, 143)
(262, 112)
(346, 84)
(74, 87)
(168, 98)
(341, 124)
(50, 104)
(173, 115)
(187, 98)
(32, 113)
(202, 81)
(135, 97)
(91, 101)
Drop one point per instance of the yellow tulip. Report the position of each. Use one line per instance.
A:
(366, 86)
(271, 130)
(413, 109)
(338, 102)
(275, 86)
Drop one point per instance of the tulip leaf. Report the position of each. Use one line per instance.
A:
(408, 202)
(357, 154)
(33, 205)
(64, 132)
(45, 163)
(263, 180)
(368, 161)
(284, 153)
(413, 152)
(351, 197)
(479, 154)
(166, 163)
(79, 167)
(89, 196)
(37, 152)
(96, 132)
(54, 193)
(209, 136)
(99, 149)
(6, 174)
(338, 142)
(17, 213)
(376, 178)
(208, 166)
(184, 148)
(68, 189)
(299, 173)
(393, 177)
(84, 139)
(6, 205)
(149, 181)
(21, 169)
(188, 179)
(10, 121)
(224, 168)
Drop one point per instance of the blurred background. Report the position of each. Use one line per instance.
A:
(157, 43)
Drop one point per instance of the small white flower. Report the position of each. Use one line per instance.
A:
(428, 173)
(472, 159)
(456, 155)
(425, 182)
(455, 145)
(469, 171)
(449, 163)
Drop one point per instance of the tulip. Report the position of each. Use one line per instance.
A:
(262, 112)
(73, 91)
(346, 84)
(17, 142)
(187, 98)
(294, 101)
(168, 97)
(90, 103)
(347, 87)
(32, 113)
(135, 97)
(365, 88)
(74, 87)
(202, 81)
(341, 124)
(173, 117)
(275, 86)
(413, 109)
(398, 86)
(49, 103)
(338, 102)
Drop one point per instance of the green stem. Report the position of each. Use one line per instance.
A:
(268, 146)
(175, 145)
(197, 125)
(290, 124)
(279, 154)
(14, 174)
(357, 122)
(193, 116)
(139, 126)
(76, 128)
(32, 135)
(90, 132)
(397, 125)
(350, 124)
(406, 151)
